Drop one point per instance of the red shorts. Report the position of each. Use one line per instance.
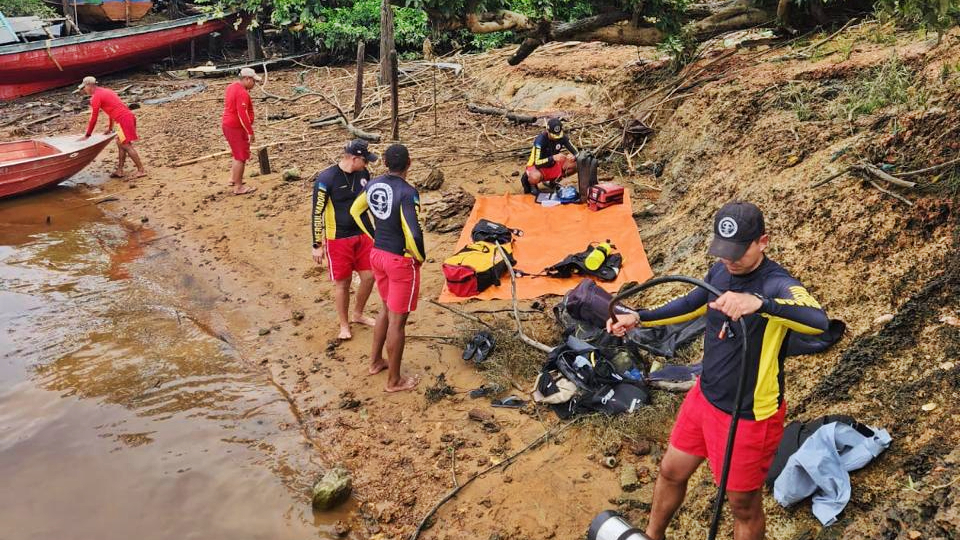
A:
(398, 280)
(126, 128)
(701, 430)
(239, 142)
(551, 173)
(344, 255)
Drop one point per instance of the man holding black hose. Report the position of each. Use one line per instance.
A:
(772, 304)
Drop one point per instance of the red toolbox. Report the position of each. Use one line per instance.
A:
(603, 195)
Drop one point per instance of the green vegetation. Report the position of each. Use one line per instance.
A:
(933, 15)
(24, 8)
(891, 83)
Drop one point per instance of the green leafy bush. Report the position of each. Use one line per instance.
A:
(25, 8)
(936, 15)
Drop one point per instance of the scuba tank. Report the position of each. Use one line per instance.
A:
(598, 255)
(608, 525)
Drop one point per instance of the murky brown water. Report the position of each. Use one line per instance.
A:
(120, 417)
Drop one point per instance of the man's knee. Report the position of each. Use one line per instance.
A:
(534, 176)
(745, 505)
(366, 276)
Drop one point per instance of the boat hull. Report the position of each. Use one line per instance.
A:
(33, 67)
(34, 173)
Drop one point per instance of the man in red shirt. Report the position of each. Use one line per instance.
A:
(238, 126)
(119, 114)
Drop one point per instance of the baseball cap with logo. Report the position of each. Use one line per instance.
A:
(555, 128)
(360, 147)
(735, 227)
(249, 72)
(87, 80)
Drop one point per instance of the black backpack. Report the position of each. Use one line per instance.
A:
(493, 232)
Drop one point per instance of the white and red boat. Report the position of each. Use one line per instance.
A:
(28, 68)
(34, 164)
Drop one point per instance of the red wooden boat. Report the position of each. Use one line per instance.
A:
(28, 68)
(35, 164)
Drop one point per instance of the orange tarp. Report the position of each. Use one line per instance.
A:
(549, 235)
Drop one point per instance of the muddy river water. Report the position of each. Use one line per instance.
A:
(121, 416)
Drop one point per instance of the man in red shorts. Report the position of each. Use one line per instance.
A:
(336, 235)
(237, 126)
(547, 165)
(119, 115)
(773, 304)
(396, 258)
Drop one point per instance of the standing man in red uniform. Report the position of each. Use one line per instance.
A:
(119, 114)
(238, 126)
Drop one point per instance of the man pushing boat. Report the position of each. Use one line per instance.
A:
(120, 116)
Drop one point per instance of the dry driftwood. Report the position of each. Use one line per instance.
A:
(433, 180)
(449, 213)
(497, 111)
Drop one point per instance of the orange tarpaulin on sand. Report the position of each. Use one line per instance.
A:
(549, 235)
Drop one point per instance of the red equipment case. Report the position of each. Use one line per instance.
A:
(603, 195)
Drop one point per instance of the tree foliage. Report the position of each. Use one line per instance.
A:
(25, 8)
(936, 15)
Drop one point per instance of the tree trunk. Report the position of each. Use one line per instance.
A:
(386, 41)
(254, 45)
(173, 9)
(614, 27)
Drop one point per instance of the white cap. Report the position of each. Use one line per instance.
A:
(87, 80)
(249, 72)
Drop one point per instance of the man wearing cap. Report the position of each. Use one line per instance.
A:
(336, 235)
(773, 304)
(120, 116)
(237, 126)
(546, 163)
(396, 258)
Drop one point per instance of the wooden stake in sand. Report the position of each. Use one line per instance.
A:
(358, 95)
(394, 97)
(264, 160)
(386, 41)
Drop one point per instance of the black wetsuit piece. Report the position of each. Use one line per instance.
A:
(395, 207)
(333, 193)
(787, 306)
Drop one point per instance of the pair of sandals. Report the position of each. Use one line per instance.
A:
(512, 402)
(479, 348)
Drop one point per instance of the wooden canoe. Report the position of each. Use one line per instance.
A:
(34, 164)
(28, 68)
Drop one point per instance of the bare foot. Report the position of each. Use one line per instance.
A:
(406, 383)
(140, 174)
(361, 319)
(344, 332)
(243, 190)
(377, 368)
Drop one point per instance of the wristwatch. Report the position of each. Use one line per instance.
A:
(316, 245)
(764, 301)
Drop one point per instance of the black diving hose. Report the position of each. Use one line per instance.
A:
(732, 434)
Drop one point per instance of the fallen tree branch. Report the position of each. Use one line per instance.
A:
(497, 111)
(900, 198)
(930, 169)
(463, 314)
(225, 153)
(453, 492)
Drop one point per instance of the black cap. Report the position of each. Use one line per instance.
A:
(396, 157)
(360, 147)
(735, 227)
(555, 128)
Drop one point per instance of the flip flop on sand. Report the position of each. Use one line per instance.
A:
(116, 175)
(245, 190)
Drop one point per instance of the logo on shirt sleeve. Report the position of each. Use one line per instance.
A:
(380, 200)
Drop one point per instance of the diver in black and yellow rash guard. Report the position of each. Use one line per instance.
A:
(546, 162)
(395, 259)
(772, 304)
(336, 236)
